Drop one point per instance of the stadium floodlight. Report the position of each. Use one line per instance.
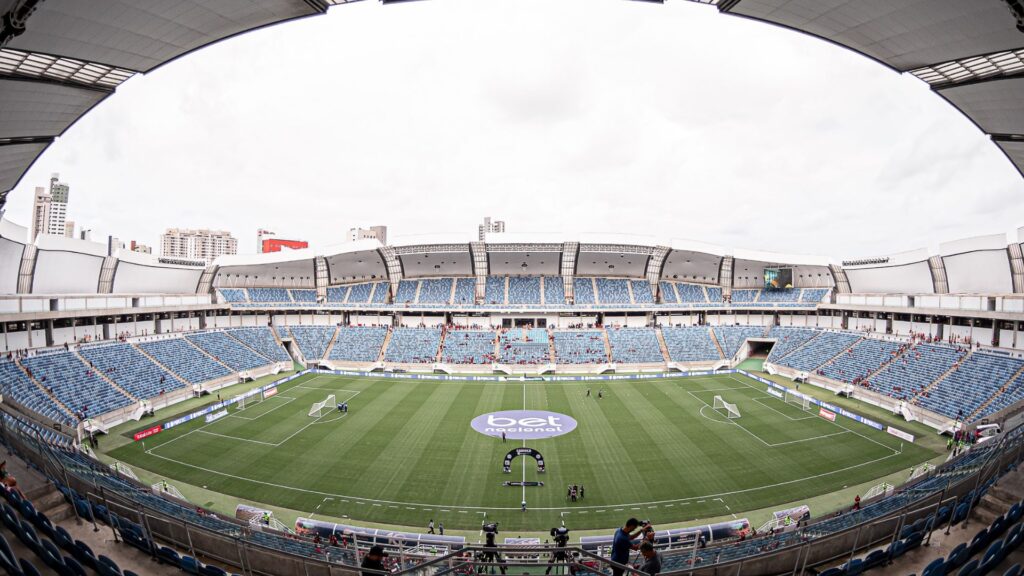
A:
(799, 399)
(730, 410)
(321, 408)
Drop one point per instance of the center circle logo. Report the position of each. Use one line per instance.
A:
(524, 424)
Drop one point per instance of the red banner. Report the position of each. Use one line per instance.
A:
(269, 392)
(147, 432)
(830, 416)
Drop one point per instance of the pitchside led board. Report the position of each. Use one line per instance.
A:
(778, 278)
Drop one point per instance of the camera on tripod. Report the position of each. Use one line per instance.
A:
(491, 528)
(560, 535)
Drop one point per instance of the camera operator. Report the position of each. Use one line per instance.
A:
(652, 559)
(490, 553)
(624, 541)
(561, 537)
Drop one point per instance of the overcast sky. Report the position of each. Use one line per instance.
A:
(562, 116)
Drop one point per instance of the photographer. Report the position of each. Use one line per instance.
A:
(490, 553)
(652, 559)
(624, 541)
(561, 537)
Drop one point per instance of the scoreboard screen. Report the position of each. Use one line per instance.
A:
(778, 278)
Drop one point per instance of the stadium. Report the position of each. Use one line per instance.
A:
(471, 405)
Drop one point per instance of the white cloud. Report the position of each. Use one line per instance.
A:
(569, 116)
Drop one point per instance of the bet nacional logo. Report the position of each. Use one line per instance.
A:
(524, 424)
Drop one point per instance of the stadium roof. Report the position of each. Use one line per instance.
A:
(59, 58)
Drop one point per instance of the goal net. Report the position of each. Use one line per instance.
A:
(799, 399)
(728, 409)
(321, 408)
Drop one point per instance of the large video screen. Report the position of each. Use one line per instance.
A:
(778, 278)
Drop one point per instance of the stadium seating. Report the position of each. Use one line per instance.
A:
(261, 340)
(131, 369)
(690, 344)
(406, 292)
(465, 292)
(358, 343)
(914, 370)
(435, 290)
(494, 294)
(17, 383)
(1014, 393)
(380, 292)
(694, 294)
(583, 291)
(413, 345)
(75, 384)
(312, 340)
(714, 295)
(233, 295)
(185, 360)
(337, 294)
(612, 291)
(730, 338)
(864, 358)
(635, 345)
(819, 350)
(668, 293)
(269, 295)
(779, 296)
(580, 347)
(787, 340)
(744, 295)
(641, 292)
(468, 347)
(524, 346)
(306, 296)
(228, 351)
(359, 293)
(524, 290)
(813, 295)
(971, 384)
(554, 291)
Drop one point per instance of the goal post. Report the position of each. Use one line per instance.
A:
(799, 399)
(323, 407)
(730, 410)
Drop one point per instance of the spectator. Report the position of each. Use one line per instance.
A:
(623, 542)
(373, 561)
(652, 559)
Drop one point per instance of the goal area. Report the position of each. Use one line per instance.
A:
(321, 408)
(799, 399)
(728, 409)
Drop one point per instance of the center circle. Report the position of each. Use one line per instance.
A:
(524, 424)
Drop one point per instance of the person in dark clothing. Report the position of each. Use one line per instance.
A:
(374, 560)
(652, 559)
(623, 542)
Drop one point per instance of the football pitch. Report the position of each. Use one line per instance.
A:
(405, 452)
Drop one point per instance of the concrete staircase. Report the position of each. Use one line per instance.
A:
(833, 359)
(330, 345)
(48, 500)
(551, 349)
(53, 398)
(208, 355)
(629, 288)
(998, 393)
(607, 345)
(440, 345)
(718, 346)
(661, 344)
(451, 295)
(105, 378)
(384, 347)
(160, 364)
(1000, 497)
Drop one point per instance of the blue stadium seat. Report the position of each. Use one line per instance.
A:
(185, 360)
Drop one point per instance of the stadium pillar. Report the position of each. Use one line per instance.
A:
(48, 327)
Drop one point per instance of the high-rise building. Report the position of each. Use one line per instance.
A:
(140, 248)
(488, 227)
(69, 228)
(204, 245)
(50, 209)
(378, 232)
(40, 212)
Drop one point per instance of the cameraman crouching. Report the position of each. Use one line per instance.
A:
(624, 541)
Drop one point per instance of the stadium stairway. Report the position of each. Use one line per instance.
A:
(152, 359)
(551, 348)
(384, 346)
(254, 351)
(451, 295)
(439, 357)
(105, 378)
(330, 345)
(718, 345)
(662, 345)
(885, 364)
(841, 352)
(927, 389)
(1002, 389)
(629, 290)
(805, 343)
(607, 345)
(46, 392)
(208, 355)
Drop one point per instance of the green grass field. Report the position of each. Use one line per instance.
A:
(405, 452)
